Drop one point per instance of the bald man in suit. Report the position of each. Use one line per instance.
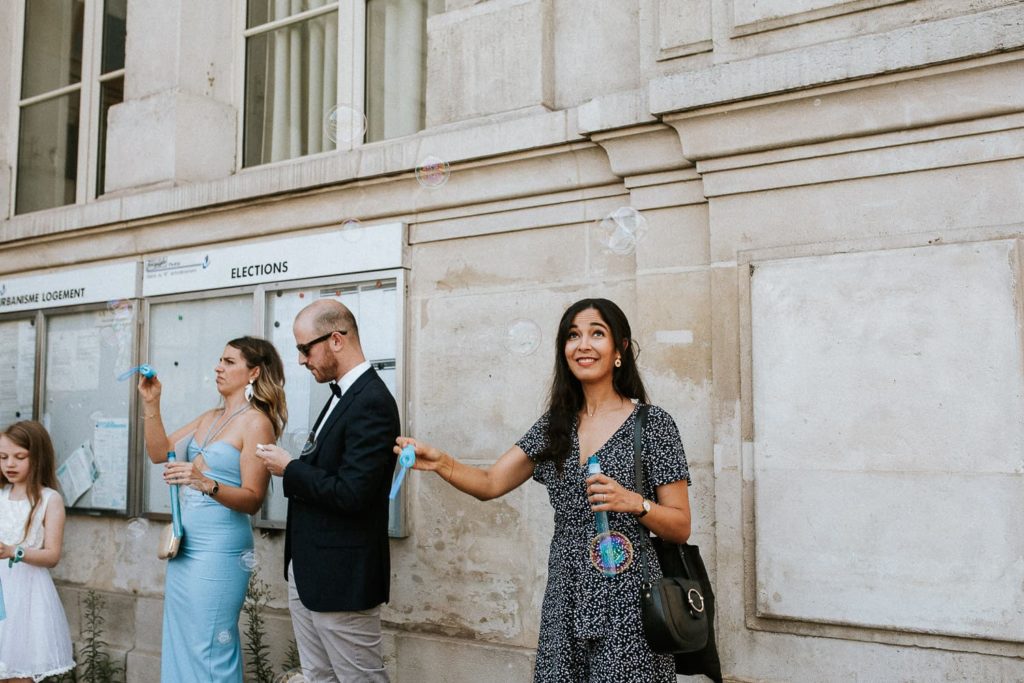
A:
(337, 559)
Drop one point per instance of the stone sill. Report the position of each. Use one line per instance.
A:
(491, 136)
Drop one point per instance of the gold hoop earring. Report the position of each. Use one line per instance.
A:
(618, 362)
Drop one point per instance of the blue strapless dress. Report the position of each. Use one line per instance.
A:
(206, 582)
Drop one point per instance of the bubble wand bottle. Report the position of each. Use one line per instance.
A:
(406, 460)
(611, 553)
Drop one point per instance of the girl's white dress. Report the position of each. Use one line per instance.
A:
(34, 638)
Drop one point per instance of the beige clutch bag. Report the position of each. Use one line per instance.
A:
(169, 543)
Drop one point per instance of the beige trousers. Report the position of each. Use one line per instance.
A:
(337, 647)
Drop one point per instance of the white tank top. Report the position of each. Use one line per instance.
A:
(14, 513)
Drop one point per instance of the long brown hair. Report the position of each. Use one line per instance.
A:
(42, 471)
(268, 389)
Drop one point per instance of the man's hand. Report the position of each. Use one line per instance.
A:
(274, 457)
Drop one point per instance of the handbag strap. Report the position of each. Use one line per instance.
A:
(638, 468)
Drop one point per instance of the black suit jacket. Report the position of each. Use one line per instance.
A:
(337, 534)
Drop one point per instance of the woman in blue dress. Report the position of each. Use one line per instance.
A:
(222, 484)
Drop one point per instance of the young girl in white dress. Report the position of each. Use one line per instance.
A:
(34, 638)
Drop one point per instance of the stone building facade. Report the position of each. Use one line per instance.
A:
(816, 210)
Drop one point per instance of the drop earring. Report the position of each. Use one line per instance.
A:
(618, 362)
(249, 390)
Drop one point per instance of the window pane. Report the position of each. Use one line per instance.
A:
(396, 40)
(114, 14)
(47, 154)
(375, 307)
(185, 340)
(17, 370)
(111, 93)
(290, 86)
(53, 45)
(265, 11)
(85, 407)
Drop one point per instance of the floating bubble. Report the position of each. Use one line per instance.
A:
(522, 336)
(294, 440)
(351, 230)
(817, 101)
(224, 637)
(121, 308)
(612, 548)
(344, 124)
(248, 560)
(137, 528)
(433, 172)
(622, 229)
(291, 676)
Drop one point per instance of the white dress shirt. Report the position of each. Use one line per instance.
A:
(345, 383)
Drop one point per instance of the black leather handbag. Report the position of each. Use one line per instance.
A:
(678, 610)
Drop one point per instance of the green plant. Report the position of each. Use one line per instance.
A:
(257, 595)
(94, 662)
(291, 658)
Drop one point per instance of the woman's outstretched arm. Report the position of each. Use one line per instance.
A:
(484, 483)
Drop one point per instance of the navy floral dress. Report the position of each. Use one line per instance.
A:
(590, 627)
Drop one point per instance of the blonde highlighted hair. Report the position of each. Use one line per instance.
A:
(268, 389)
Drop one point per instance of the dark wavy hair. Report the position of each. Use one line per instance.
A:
(566, 395)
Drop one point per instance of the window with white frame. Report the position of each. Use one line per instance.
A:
(72, 72)
(322, 75)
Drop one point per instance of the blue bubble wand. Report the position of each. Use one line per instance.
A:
(406, 460)
(611, 553)
(179, 530)
(146, 370)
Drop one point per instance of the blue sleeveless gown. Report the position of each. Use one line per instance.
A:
(206, 582)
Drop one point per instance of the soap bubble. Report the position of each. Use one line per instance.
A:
(611, 553)
(432, 172)
(622, 229)
(351, 230)
(224, 637)
(137, 528)
(248, 560)
(121, 309)
(294, 440)
(522, 336)
(344, 124)
(291, 676)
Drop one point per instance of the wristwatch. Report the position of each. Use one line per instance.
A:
(216, 488)
(18, 556)
(646, 504)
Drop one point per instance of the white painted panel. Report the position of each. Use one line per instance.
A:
(69, 286)
(889, 441)
(345, 250)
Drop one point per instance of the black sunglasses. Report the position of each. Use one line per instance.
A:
(304, 349)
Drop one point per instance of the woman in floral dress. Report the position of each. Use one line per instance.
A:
(590, 623)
